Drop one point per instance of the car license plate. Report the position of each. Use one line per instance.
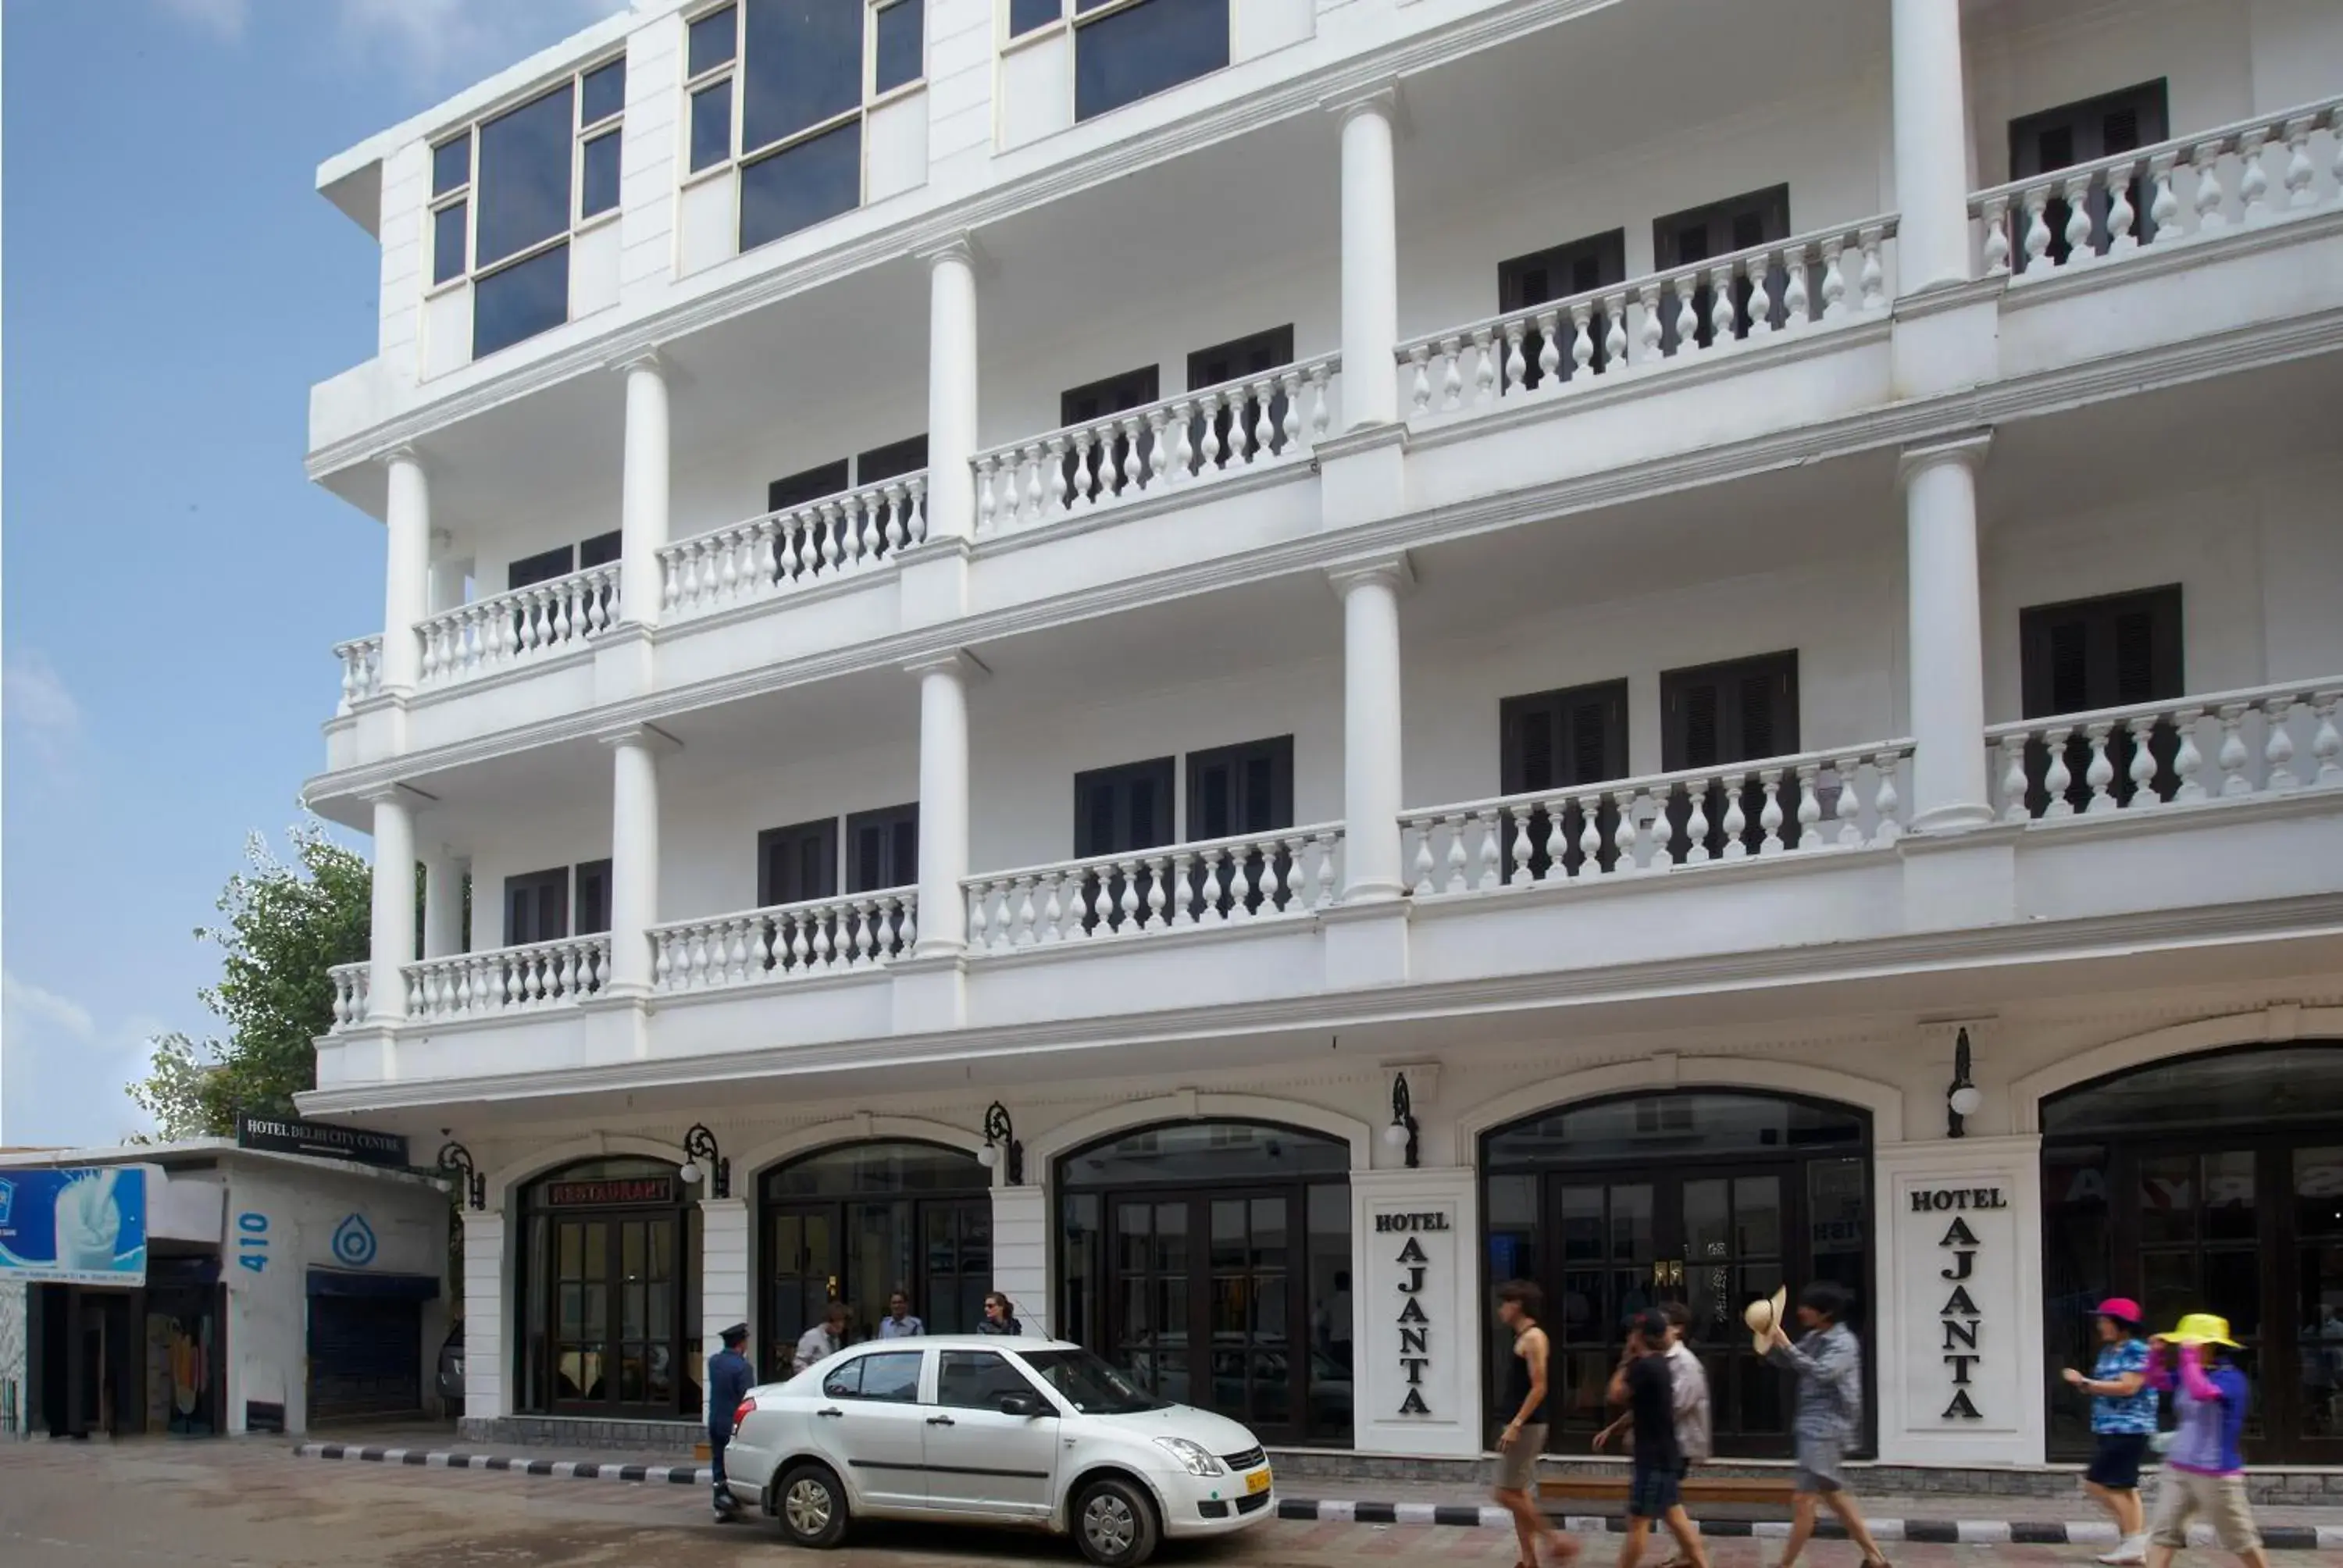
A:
(1257, 1481)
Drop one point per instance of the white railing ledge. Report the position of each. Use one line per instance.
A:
(352, 990)
(509, 979)
(849, 933)
(2281, 127)
(2093, 764)
(361, 661)
(521, 624)
(2327, 688)
(1244, 878)
(819, 540)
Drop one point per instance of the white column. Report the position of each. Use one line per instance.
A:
(443, 902)
(1947, 636)
(943, 801)
(393, 945)
(952, 390)
(724, 1276)
(1371, 784)
(1370, 261)
(1932, 166)
(643, 497)
(486, 1265)
(407, 569)
(634, 854)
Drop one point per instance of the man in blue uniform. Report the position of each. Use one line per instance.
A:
(729, 1379)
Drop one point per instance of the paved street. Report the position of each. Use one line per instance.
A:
(253, 1502)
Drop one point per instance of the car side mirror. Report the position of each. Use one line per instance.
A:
(1024, 1404)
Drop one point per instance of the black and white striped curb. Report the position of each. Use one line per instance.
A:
(1939, 1532)
(1948, 1532)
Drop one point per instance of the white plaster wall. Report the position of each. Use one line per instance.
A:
(1036, 87)
(895, 147)
(960, 89)
(651, 159)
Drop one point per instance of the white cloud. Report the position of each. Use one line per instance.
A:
(63, 1070)
(37, 706)
(223, 18)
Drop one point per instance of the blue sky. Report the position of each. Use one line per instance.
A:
(173, 286)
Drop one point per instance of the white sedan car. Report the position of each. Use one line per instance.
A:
(993, 1430)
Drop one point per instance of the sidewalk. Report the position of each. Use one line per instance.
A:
(1975, 1519)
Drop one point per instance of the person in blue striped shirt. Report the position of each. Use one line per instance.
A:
(2123, 1419)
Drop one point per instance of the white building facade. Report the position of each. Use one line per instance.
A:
(1239, 667)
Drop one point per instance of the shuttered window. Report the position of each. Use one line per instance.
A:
(2083, 655)
(2081, 132)
(1555, 740)
(1246, 789)
(1714, 715)
(591, 903)
(1559, 273)
(798, 862)
(1720, 228)
(1096, 400)
(1123, 809)
(537, 907)
(882, 849)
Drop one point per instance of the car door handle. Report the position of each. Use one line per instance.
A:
(941, 1420)
(830, 1411)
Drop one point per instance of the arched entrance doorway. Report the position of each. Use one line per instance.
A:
(610, 1292)
(858, 1221)
(1708, 1197)
(1212, 1260)
(2207, 1183)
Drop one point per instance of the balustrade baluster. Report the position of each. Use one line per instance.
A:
(1322, 415)
(980, 897)
(1484, 367)
(1590, 837)
(1159, 457)
(2163, 204)
(1873, 278)
(1516, 369)
(1769, 815)
(2233, 756)
(2300, 175)
(1697, 825)
(1724, 314)
(1883, 799)
(1021, 933)
(1241, 884)
(1183, 442)
(1457, 859)
(1127, 900)
(1581, 342)
(1054, 908)
(1736, 820)
(1154, 868)
(2253, 179)
(2099, 773)
(2012, 779)
(1629, 832)
(1687, 319)
(1549, 359)
(1997, 235)
(2277, 747)
(1208, 893)
(1420, 388)
(2206, 159)
(1422, 864)
(1557, 834)
(987, 467)
(1132, 462)
(907, 930)
(1517, 868)
(735, 951)
(2076, 189)
(2187, 761)
(1809, 814)
(2141, 770)
(916, 485)
(1834, 280)
(1614, 332)
(2327, 741)
(2036, 240)
(1290, 382)
(2120, 215)
(1452, 376)
(762, 957)
(2059, 778)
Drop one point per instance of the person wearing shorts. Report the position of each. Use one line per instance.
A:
(1830, 1367)
(1523, 1437)
(2203, 1472)
(2123, 1420)
(1655, 1488)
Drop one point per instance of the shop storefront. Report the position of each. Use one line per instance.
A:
(610, 1292)
(857, 1223)
(1708, 1197)
(2208, 1183)
(1211, 1260)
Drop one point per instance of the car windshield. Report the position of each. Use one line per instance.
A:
(1090, 1384)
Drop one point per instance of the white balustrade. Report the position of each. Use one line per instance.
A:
(509, 979)
(1278, 415)
(361, 670)
(351, 994)
(1257, 876)
(1673, 318)
(795, 547)
(492, 634)
(1845, 797)
(2229, 745)
(856, 933)
(2163, 195)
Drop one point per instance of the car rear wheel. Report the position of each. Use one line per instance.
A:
(1114, 1523)
(811, 1506)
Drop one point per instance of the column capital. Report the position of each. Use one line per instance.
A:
(405, 452)
(961, 245)
(1384, 98)
(1396, 572)
(647, 358)
(959, 661)
(649, 736)
(1968, 450)
(406, 795)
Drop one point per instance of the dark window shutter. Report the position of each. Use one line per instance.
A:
(2112, 652)
(798, 862)
(2070, 684)
(1535, 750)
(1590, 744)
(2135, 658)
(1757, 729)
(592, 898)
(1700, 725)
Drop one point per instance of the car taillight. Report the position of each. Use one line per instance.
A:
(746, 1405)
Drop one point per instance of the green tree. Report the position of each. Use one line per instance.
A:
(287, 925)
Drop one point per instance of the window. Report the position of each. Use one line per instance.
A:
(1742, 711)
(1721, 228)
(1254, 355)
(882, 849)
(537, 907)
(599, 550)
(561, 561)
(1124, 808)
(1246, 789)
(1125, 50)
(908, 455)
(975, 1380)
(1081, 404)
(797, 863)
(778, 88)
(1554, 741)
(1542, 277)
(590, 909)
(2080, 133)
(2083, 655)
(508, 192)
(892, 1376)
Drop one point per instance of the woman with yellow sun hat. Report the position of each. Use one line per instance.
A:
(2203, 1472)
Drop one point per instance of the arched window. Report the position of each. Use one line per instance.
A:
(609, 1297)
(1212, 1260)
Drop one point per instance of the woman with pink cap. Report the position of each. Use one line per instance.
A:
(2123, 1420)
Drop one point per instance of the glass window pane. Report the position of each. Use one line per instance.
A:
(447, 241)
(2317, 1192)
(1757, 1216)
(711, 125)
(1154, 45)
(2250, 1088)
(1188, 1151)
(1024, 15)
(451, 164)
(598, 184)
(525, 177)
(878, 1169)
(1653, 1127)
(2168, 1199)
(2230, 1197)
(712, 39)
(811, 181)
(602, 92)
(523, 300)
(801, 63)
(892, 1375)
(897, 46)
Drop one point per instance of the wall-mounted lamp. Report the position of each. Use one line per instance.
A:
(1402, 1132)
(1963, 1098)
(703, 1160)
(999, 1138)
(456, 1161)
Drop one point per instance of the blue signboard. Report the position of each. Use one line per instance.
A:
(83, 1227)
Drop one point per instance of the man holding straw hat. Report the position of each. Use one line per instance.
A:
(2202, 1470)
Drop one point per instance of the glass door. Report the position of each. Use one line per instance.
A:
(802, 1270)
(1734, 1232)
(581, 1284)
(956, 1263)
(1149, 1298)
(1253, 1344)
(1605, 1236)
(614, 1342)
(2315, 1191)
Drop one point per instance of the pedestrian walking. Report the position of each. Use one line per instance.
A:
(2203, 1472)
(999, 1317)
(1828, 1363)
(2123, 1421)
(822, 1341)
(1644, 1385)
(1689, 1392)
(1519, 1302)
(729, 1379)
(899, 1323)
